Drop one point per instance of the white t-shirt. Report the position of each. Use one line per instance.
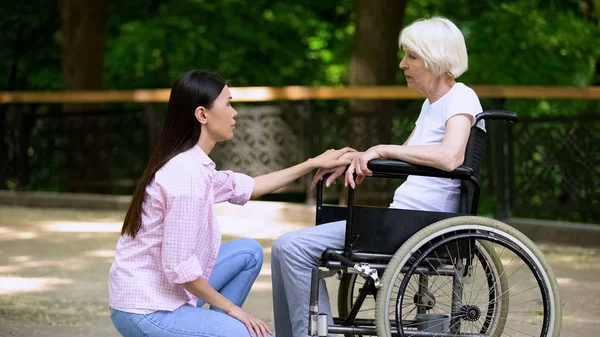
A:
(429, 193)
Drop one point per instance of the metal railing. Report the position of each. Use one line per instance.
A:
(544, 167)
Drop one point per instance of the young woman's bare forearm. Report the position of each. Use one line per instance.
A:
(201, 289)
(273, 181)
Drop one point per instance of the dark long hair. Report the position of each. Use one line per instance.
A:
(180, 133)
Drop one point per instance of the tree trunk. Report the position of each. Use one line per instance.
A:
(83, 27)
(590, 12)
(374, 61)
(5, 158)
(87, 158)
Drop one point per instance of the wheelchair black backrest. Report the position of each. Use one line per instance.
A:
(474, 157)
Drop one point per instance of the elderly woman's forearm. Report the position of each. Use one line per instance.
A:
(436, 155)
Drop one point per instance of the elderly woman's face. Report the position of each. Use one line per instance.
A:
(417, 75)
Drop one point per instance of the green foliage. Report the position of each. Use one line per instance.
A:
(257, 43)
(304, 42)
(516, 44)
(30, 57)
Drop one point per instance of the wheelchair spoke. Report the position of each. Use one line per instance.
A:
(474, 266)
(526, 302)
(493, 288)
(445, 293)
(411, 310)
(530, 323)
(506, 333)
(442, 285)
(508, 290)
(519, 331)
(453, 292)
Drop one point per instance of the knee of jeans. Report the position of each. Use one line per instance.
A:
(254, 247)
(284, 246)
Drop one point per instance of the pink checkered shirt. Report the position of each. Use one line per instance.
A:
(179, 238)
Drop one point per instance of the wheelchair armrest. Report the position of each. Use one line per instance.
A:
(391, 168)
(497, 115)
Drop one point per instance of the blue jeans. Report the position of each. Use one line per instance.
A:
(238, 264)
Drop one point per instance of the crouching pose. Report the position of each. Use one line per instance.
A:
(169, 260)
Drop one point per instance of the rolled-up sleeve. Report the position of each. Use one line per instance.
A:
(186, 220)
(233, 187)
(184, 272)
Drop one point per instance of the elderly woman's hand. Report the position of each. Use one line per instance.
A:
(359, 165)
(335, 171)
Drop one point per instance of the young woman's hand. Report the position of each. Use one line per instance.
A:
(331, 158)
(256, 327)
(335, 171)
(359, 165)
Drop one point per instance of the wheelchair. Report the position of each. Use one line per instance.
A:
(442, 274)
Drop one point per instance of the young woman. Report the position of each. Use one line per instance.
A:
(169, 260)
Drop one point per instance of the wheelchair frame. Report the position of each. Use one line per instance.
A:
(368, 253)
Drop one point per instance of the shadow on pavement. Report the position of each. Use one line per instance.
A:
(54, 265)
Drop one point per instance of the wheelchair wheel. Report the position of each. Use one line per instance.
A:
(348, 292)
(454, 277)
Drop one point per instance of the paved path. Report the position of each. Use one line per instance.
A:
(54, 265)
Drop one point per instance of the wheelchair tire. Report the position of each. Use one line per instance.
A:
(494, 235)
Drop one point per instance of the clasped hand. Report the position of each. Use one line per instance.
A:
(357, 164)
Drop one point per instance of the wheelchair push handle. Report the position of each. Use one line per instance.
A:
(496, 115)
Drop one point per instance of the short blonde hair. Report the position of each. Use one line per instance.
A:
(439, 42)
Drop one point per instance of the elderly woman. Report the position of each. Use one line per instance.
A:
(434, 56)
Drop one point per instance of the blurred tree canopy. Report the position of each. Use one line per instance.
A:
(300, 42)
(272, 43)
(149, 43)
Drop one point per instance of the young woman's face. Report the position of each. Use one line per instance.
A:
(417, 74)
(221, 117)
